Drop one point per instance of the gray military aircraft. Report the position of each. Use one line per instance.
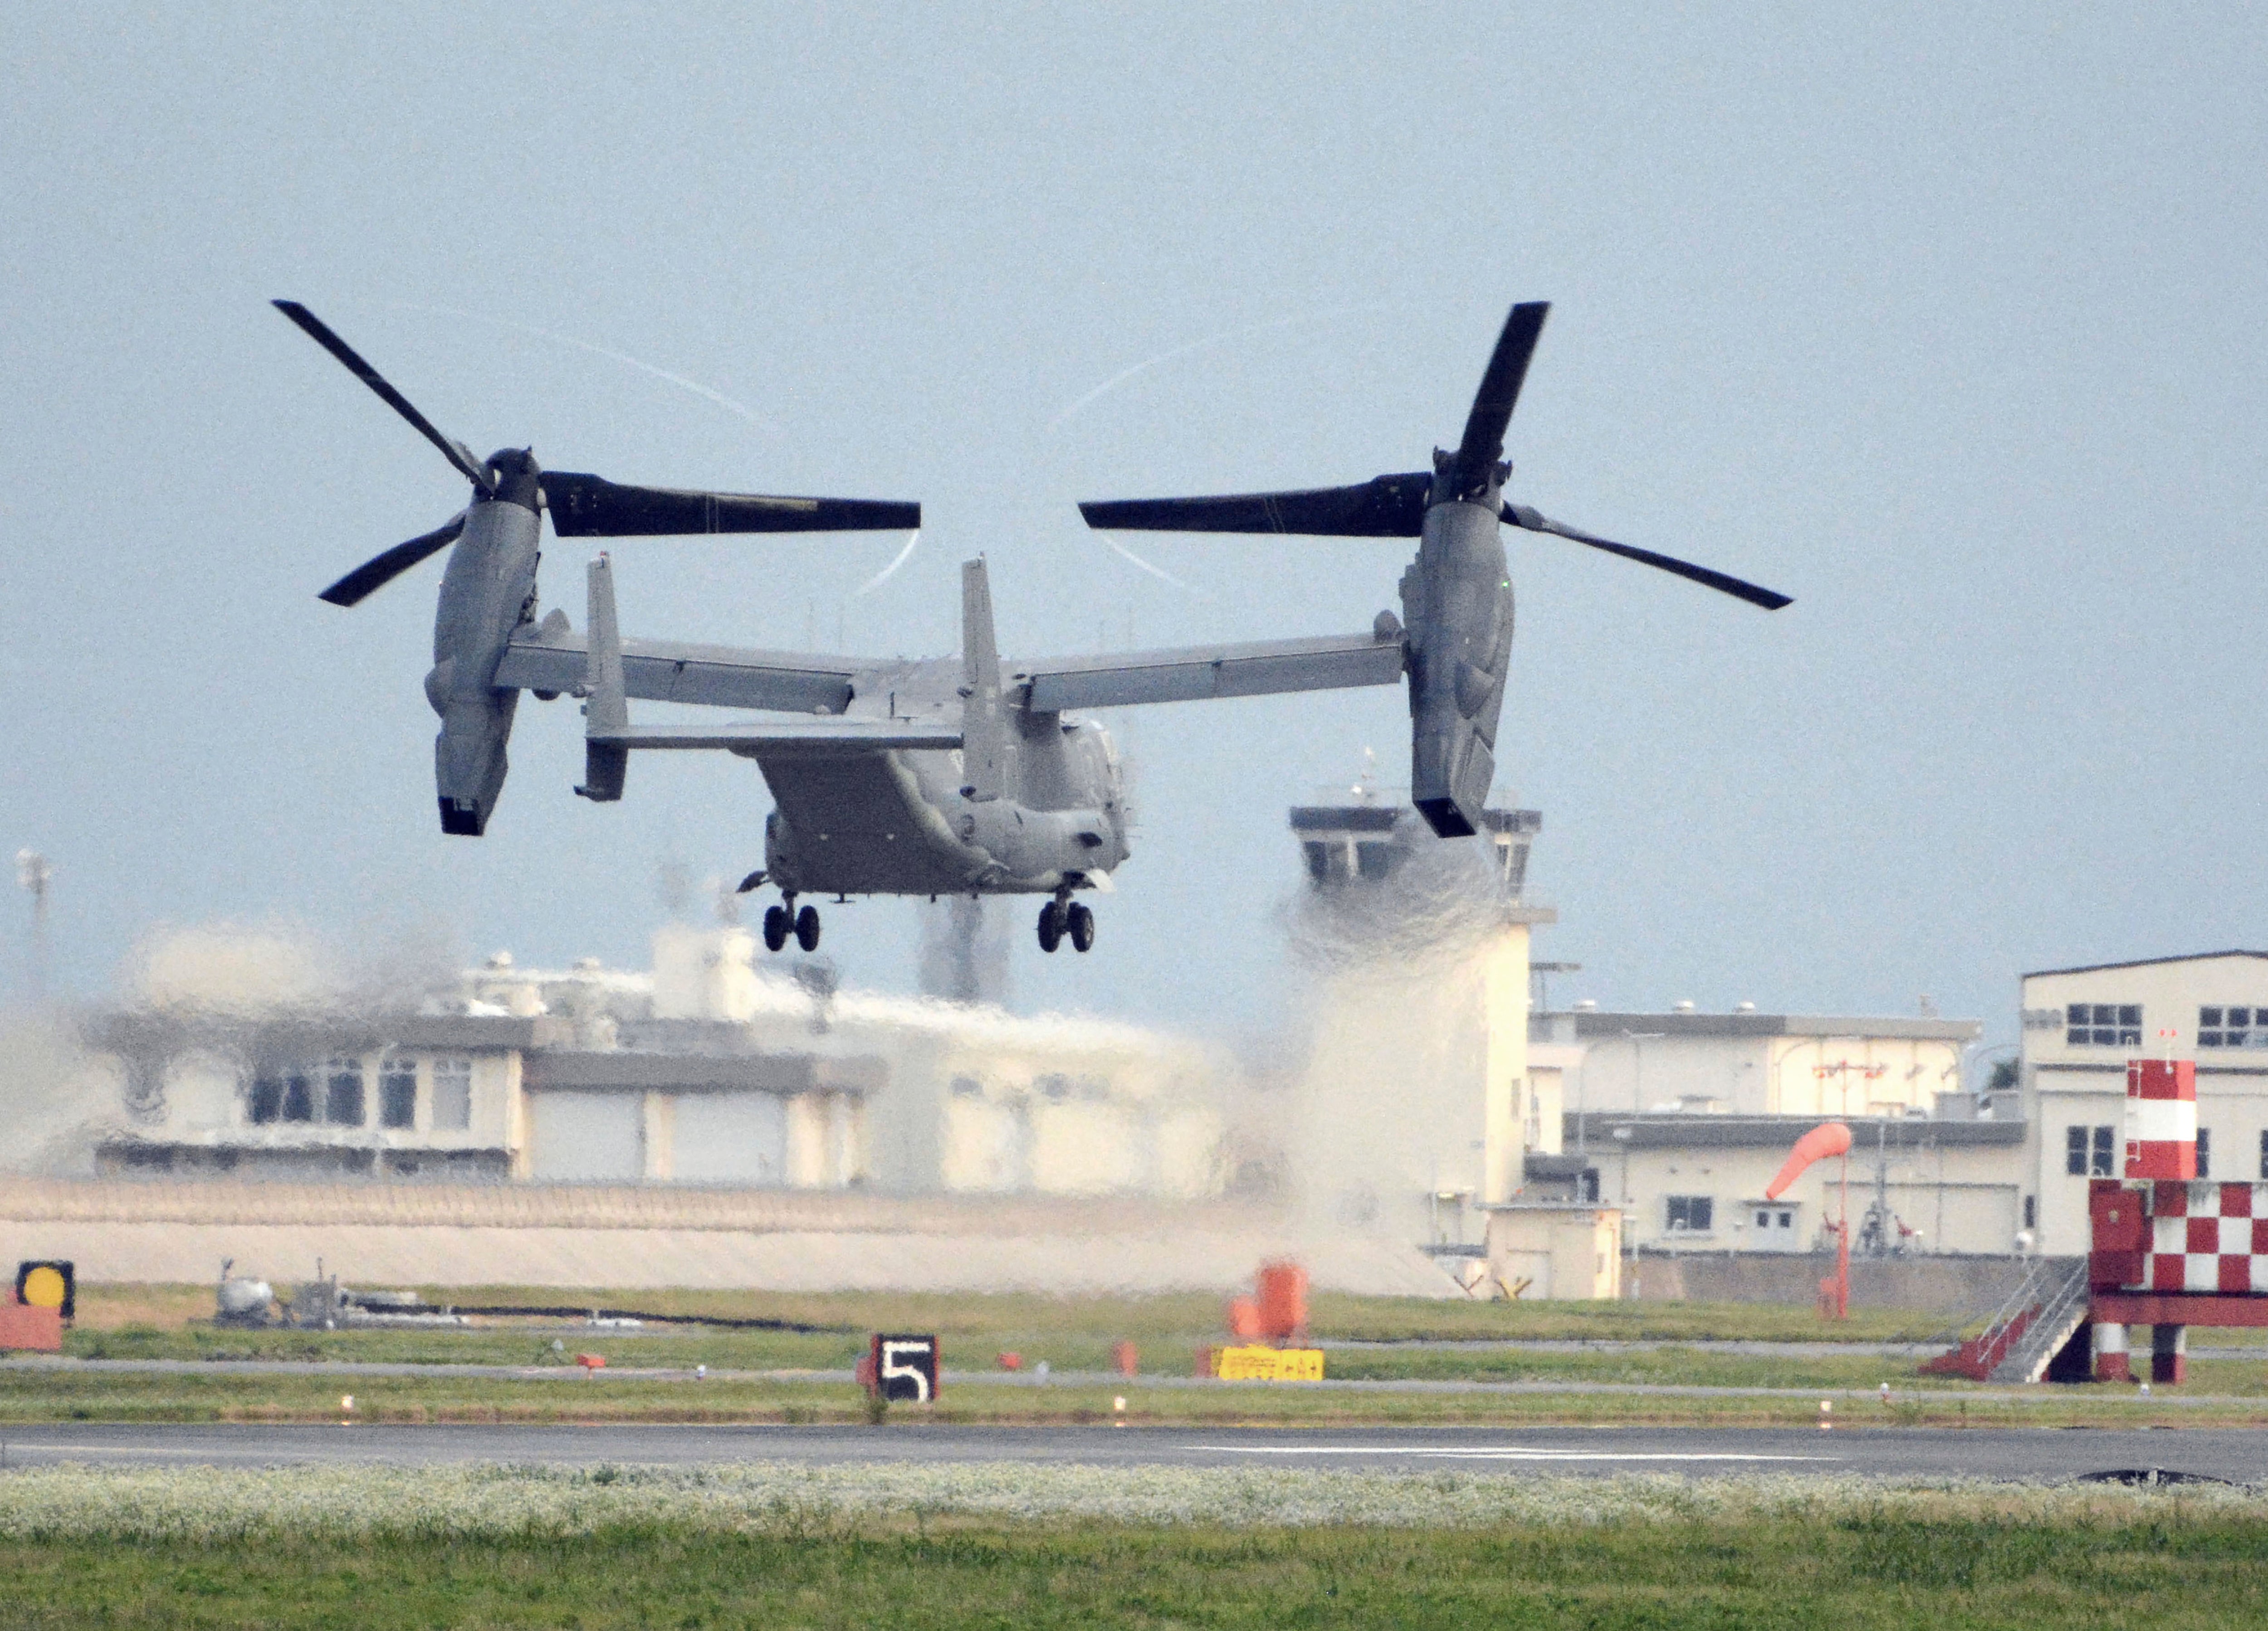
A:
(967, 775)
(1456, 597)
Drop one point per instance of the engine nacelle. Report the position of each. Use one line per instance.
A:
(1456, 601)
(487, 592)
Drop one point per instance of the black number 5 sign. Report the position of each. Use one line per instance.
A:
(902, 1368)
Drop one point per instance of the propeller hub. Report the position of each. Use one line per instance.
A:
(518, 478)
(1454, 481)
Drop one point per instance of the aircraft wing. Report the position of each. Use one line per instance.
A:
(1194, 673)
(724, 676)
(819, 737)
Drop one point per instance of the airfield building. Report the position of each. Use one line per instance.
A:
(2081, 1025)
(704, 1072)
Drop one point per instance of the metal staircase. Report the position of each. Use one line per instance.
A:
(2027, 1330)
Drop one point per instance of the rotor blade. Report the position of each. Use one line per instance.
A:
(381, 569)
(456, 452)
(1770, 600)
(591, 506)
(1483, 440)
(1386, 507)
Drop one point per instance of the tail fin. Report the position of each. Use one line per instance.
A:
(984, 723)
(607, 711)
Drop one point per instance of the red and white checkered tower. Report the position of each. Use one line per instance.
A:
(2171, 1250)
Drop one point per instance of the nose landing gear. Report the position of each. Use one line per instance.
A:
(1060, 919)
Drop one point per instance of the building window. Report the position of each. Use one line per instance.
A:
(967, 1088)
(299, 1094)
(2032, 1209)
(2233, 1027)
(2263, 1157)
(342, 1092)
(2204, 1152)
(453, 1095)
(1691, 1213)
(2087, 1151)
(1372, 860)
(397, 1094)
(2103, 1025)
(267, 1105)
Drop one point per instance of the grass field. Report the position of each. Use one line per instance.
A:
(1072, 1334)
(1015, 1546)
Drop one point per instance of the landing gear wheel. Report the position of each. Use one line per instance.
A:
(1051, 926)
(776, 927)
(1080, 927)
(806, 928)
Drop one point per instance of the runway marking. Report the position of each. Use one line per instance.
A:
(1511, 1452)
(202, 1450)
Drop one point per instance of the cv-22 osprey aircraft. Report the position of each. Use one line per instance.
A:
(971, 775)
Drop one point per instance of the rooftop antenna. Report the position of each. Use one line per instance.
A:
(33, 872)
(1366, 786)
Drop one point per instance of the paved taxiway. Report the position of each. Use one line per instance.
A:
(2239, 1455)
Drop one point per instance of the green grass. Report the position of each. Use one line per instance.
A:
(1073, 1333)
(1011, 1547)
(35, 1396)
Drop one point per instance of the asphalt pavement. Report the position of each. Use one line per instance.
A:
(2037, 1455)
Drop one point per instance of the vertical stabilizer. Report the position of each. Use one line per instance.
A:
(983, 726)
(606, 713)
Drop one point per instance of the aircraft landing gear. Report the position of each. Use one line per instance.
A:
(784, 919)
(1060, 921)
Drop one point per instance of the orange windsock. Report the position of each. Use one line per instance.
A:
(1831, 1138)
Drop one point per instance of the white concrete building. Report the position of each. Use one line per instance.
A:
(1912, 1184)
(2080, 1027)
(709, 1071)
(1681, 1118)
(1749, 1064)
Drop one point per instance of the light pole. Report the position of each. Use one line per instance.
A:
(33, 872)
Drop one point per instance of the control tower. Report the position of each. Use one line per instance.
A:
(1415, 1099)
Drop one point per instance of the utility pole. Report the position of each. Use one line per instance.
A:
(33, 872)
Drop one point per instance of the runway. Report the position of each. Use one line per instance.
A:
(2037, 1455)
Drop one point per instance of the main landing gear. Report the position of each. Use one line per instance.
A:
(782, 920)
(1066, 920)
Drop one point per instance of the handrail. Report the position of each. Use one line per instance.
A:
(2047, 1326)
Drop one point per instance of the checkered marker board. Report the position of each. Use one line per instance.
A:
(2207, 1238)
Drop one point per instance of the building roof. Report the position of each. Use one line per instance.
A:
(1602, 1132)
(1594, 1025)
(1383, 818)
(2143, 962)
(765, 1073)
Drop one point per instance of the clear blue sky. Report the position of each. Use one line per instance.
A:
(1946, 321)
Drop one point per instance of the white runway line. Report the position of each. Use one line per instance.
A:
(1507, 1453)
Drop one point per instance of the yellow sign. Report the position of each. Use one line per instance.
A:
(1269, 1364)
(44, 1287)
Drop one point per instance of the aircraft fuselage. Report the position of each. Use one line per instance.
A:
(904, 821)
